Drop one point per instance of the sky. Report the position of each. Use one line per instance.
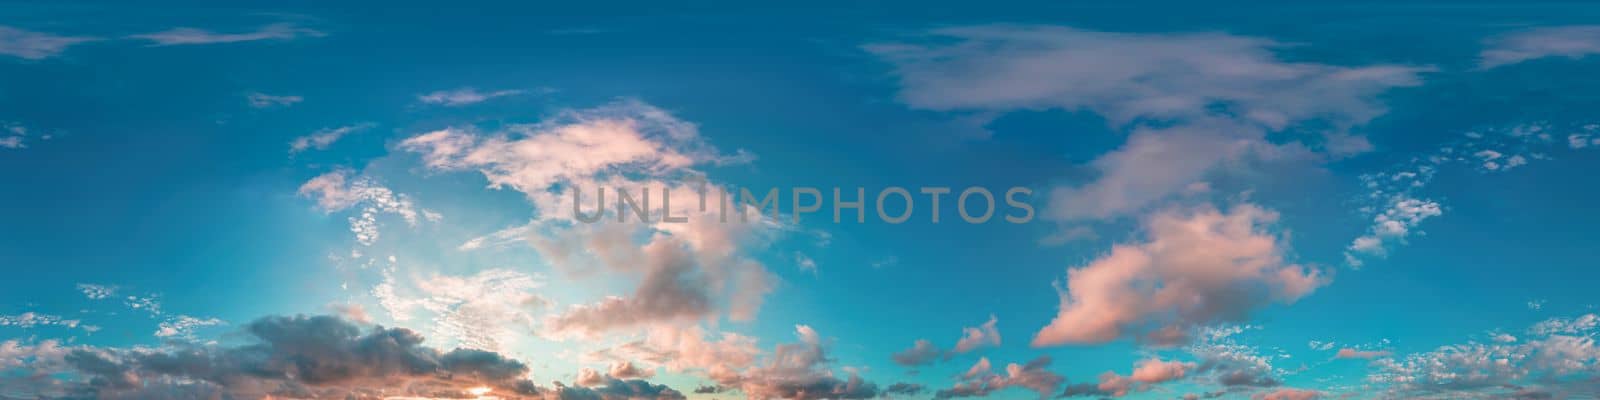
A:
(376, 201)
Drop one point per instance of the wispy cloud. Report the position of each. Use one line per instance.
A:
(1566, 41)
(14, 136)
(263, 100)
(464, 96)
(1191, 101)
(32, 45)
(191, 36)
(322, 138)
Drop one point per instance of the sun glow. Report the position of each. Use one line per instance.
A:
(479, 391)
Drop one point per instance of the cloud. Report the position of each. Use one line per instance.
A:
(683, 349)
(150, 303)
(1558, 359)
(626, 370)
(29, 320)
(291, 357)
(1394, 224)
(685, 271)
(15, 136)
(1146, 374)
(1154, 370)
(1362, 354)
(791, 371)
(805, 262)
(183, 326)
(263, 100)
(1395, 200)
(924, 352)
(574, 148)
(621, 370)
(1226, 362)
(1287, 394)
(97, 292)
(30, 45)
(980, 336)
(322, 138)
(667, 293)
(463, 96)
(795, 371)
(297, 357)
(607, 388)
(193, 36)
(1195, 267)
(903, 389)
(351, 311)
(489, 310)
(1193, 100)
(338, 190)
(980, 380)
(1572, 42)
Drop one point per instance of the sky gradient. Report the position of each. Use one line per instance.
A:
(1265, 202)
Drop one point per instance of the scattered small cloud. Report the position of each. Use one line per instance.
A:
(889, 261)
(464, 96)
(30, 319)
(150, 304)
(194, 36)
(263, 100)
(339, 190)
(805, 262)
(322, 138)
(16, 136)
(30, 45)
(97, 292)
(183, 326)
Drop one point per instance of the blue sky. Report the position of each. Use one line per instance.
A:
(1257, 201)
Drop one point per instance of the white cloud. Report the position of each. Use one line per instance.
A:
(1572, 42)
(1195, 267)
(1557, 360)
(192, 36)
(150, 304)
(97, 292)
(337, 191)
(489, 310)
(14, 135)
(31, 320)
(464, 96)
(1194, 100)
(183, 326)
(263, 100)
(805, 262)
(1394, 201)
(322, 138)
(1396, 222)
(31, 45)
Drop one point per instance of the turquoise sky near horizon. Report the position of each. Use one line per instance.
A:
(1353, 186)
